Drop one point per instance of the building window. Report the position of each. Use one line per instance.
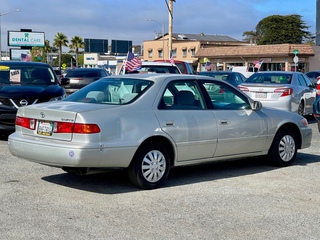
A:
(174, 52)
(150, 53)
(160, 53)
(193, 51)
(184, 52)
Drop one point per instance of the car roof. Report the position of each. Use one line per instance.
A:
(18, 63)
(86, 69)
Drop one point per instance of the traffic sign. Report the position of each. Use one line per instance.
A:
(295, 59)
(295, 51)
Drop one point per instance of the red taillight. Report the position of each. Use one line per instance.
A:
(318, 90)
(81, 128)
(60, 127)
(243, 89)
(29, 123)
(284, 91)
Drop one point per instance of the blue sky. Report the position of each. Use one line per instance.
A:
(127, 19)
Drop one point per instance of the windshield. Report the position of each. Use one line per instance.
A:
(26, 75)
(270, 78)
(111, 91)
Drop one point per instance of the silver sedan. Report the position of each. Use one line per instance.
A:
(150, 123)
(290, 91)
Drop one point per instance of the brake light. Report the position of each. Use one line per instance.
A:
(60, 127)
(29, 123)
(318, 90)
(81, 128)
(243, 89)
(284, 91)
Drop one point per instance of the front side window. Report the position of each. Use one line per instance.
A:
(225, 97)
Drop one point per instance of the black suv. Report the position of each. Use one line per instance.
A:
(25, 83)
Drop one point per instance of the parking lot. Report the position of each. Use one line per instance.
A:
(247, 199)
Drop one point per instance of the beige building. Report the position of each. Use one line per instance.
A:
(184, 46)
(274, 57)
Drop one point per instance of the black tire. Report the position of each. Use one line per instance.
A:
(150, 166)
(301, 109)
(283, 150)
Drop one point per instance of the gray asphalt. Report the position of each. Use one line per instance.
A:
(247, 199)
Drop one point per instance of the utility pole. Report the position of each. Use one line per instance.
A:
(170, 8)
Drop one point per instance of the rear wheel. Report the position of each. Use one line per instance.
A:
(283, 150)
(301, 109)
(150, 166)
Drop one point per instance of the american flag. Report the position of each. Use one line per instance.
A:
(171, 59)
(25, 57)
(132, 62)
(208, 66)
(258, 64)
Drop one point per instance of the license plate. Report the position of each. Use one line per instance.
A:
(261, 95)
(45, 128)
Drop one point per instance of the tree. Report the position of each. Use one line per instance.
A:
(60, 40)
(250, 36)
(46, 49)
(277, 29)
(76, 43)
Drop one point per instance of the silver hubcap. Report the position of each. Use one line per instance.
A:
(287, 148)
(153, 166)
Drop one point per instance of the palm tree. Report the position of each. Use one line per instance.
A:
(60, 40)
(46, 49)
(76, 43)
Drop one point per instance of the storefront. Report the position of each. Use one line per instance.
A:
(278, 57)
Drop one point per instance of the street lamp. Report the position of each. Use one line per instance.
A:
(2, 14)
(162, 25)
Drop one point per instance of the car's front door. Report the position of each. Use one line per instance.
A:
(240, 129)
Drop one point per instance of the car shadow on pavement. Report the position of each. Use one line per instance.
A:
(117, 182)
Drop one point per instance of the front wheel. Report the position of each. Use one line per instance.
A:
(150, 166)
(283, 150)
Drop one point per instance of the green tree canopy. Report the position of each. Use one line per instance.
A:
(60, 40)
(277, 29)
(76, 43)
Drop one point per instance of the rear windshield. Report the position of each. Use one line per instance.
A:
(270, 78)
(111, 91)
(26, 75)
(156, 69)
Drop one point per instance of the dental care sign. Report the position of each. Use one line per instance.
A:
(28, 39)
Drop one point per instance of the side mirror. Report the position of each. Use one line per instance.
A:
(257, 105)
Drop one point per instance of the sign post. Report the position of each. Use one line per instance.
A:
(295, 59)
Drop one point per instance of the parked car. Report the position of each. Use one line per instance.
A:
(316, 106)
(154, 67)
(314, 76)
(290, 91)
(22, 84)
(80, 77)
(233, 78)
(183, 66)
(245, 71)
(148, 123)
